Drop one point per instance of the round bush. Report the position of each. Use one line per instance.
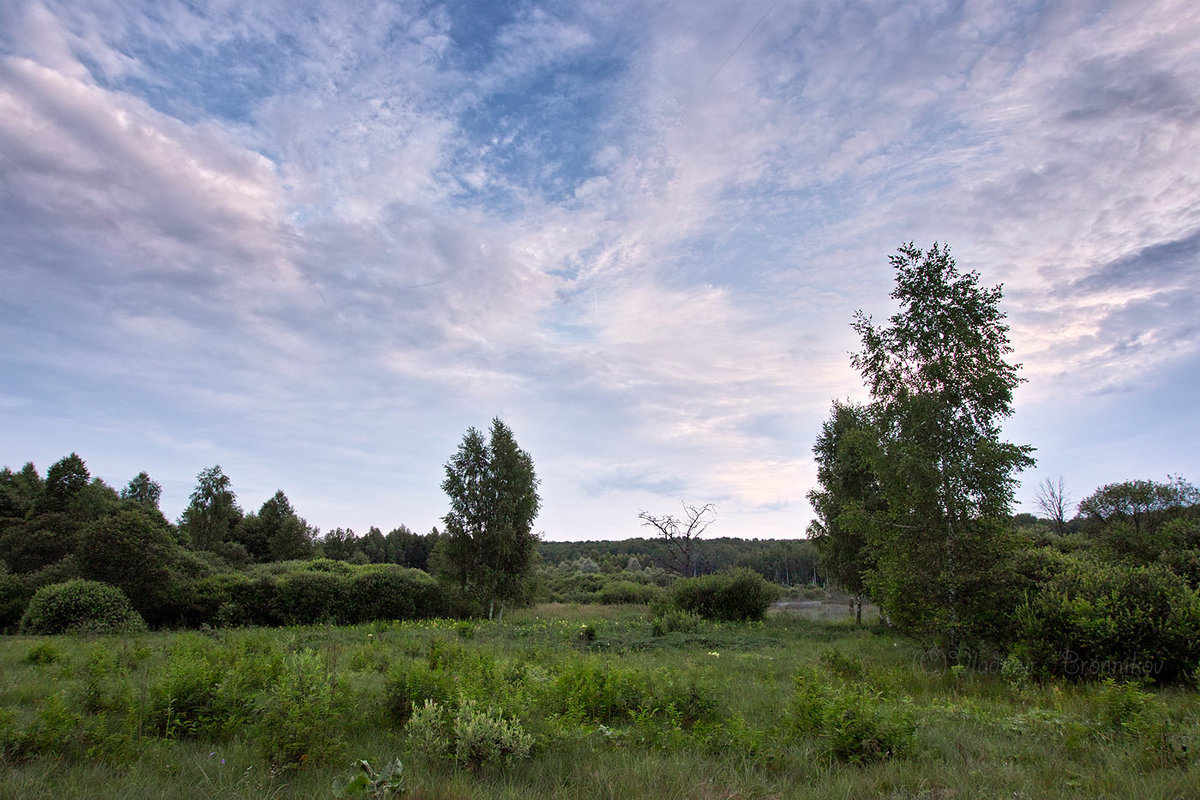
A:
(306, 598)
(80, 605)
(738, 595)
(1098, 620)
(390, 592)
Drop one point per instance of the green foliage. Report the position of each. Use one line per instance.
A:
(388, 782)
(80, 605)
(1143, 504)
(599, 692)
(1097, 620)
(472, 736)
(141, 489)
(297, 722)
(623, 591)
(850, 496)
(133, 549)
(674, 620)
(43, 653)
(484, 737)
(66, 479)
(19, 491)
(940, 386)
(276, 532)
(737, 595)
(855, 722)
(392, 592)
(212, 514)
(306, 597)
(410, 685)
(488, 547)
(15, 593)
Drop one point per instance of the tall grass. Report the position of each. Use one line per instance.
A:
(787, 707)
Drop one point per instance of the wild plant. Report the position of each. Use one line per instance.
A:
(298, 716)
(43, 653)
(483, 736)
(387, 782)
(855, 722)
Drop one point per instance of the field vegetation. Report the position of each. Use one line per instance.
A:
(572, 701)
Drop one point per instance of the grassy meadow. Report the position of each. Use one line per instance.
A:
(571, 701)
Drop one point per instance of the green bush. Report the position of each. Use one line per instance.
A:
(410, 685)
(80, 605)
(134, 551)
(298, 716)
(474, 737)
(15, 593)
(390, 592)
(483, 736)
(672, 620)
(855, 722)
(309, 597)
(737, 595)
(620, 592)
(1097, 620)
(43, 653)
(587, 689)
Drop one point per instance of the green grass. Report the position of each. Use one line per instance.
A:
(713, 711)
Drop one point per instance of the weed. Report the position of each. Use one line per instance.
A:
(298, 718)
(43, 653)
(388, 782)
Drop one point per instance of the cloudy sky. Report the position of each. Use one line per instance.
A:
(313, 242)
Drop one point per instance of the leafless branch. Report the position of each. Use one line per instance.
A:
(1051, 498)
(681, 534)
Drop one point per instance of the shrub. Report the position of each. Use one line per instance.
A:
(134, 551)
(856, 722)
(623, 592)
(1098, 620)
(429, 730)
(410, 686)
(483, 736)
(308, 597)
(14, 597)
(184, 700)
(298, 717)
(80, 605)
(861, 726)
(599, 693)
(672, 620)
(43, 653)
(475, 737)
(392, 592)
(737, 595)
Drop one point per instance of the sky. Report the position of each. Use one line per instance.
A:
(315, 242)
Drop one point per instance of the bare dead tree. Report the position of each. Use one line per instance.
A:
(681, 534)
(1051, 498)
